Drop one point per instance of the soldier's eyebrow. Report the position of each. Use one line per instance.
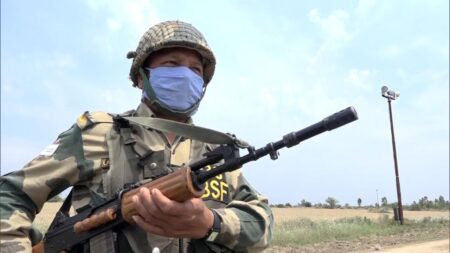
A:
(194, 62)
(198, 64)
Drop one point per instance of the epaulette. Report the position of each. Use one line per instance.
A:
(88, 119)
(119, 121)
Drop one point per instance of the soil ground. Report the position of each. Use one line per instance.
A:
(439, 246)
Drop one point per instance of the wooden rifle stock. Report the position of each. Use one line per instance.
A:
(176, 186)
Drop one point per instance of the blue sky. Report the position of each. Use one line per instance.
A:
(281, 66)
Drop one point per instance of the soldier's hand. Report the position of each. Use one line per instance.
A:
(162, 216)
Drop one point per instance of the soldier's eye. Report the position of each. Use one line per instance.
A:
(197, 70)
(169, 63)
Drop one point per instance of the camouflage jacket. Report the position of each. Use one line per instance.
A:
(82, 157)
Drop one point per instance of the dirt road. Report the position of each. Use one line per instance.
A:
(437, 246)
(441, 246)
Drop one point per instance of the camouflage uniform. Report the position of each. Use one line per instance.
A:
(80, 158)
(94, 156)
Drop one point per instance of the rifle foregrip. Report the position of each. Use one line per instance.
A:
(38, 248)
(175, 186)
(95, 220)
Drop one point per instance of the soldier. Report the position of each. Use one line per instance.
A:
(172, 65)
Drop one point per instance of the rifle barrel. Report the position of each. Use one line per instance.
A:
(329, 123)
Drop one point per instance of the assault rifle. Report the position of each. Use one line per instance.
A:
(185, 183)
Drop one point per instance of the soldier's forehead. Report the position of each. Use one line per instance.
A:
(174, 51)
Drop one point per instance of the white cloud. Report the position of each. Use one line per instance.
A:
(317, 102)
(267, 98)
(364, 7)
(391, 51)
(360, 78)
(334, 26)
(417, 44)
(7, 88)
(427, 43)
(124, 22)
(135, 15)
(114, 25)
(56, 61)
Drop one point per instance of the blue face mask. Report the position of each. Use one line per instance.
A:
(178, 88)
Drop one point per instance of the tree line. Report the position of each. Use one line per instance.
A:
(423, 203)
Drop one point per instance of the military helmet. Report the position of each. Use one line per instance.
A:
(172, 34)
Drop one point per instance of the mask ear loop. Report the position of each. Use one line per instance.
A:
(147, 87)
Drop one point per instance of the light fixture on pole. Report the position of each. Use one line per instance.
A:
(392, 95)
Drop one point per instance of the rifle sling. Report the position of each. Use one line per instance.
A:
(189, 131)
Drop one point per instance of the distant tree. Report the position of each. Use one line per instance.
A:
(384, 201)
(359, 202)
(305, 203)
(331, 202)
(425, 203)
(441, 202)
(414, 206)
(288, 205)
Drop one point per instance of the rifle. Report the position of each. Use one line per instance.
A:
(187, 182)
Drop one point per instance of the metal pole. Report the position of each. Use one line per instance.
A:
(378, 203)
(397, 177)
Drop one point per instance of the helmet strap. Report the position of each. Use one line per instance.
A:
(147, 87)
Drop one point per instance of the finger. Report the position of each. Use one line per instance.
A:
(149, 202)
(148, 210)
(196, 204)
(149, 227)
(152, 206)
(141, 201)
(168, 206)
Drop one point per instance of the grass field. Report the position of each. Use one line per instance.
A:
(289, 214)
(320, 230)
(353, 230)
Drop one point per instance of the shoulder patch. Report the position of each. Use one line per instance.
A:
(88, 119)
(49, 150)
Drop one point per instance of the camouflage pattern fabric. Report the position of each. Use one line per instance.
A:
(80, 157)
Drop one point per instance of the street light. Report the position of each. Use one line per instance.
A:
(392, 95)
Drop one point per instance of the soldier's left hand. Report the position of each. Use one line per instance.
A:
(162, 216)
